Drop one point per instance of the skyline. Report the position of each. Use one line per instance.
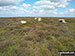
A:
(37, 8)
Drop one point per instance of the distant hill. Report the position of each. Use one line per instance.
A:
(45, 38)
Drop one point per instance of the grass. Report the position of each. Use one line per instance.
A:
(45, 38)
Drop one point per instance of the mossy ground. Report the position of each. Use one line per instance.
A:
(45, 38)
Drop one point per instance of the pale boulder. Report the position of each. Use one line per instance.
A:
(62, 20)
(35, 18)
(39, 19)
(23, 22)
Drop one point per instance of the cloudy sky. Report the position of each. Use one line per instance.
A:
(43, 8)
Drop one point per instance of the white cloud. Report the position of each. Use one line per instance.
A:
(14, 7)
(39, 8)
(72, 10)
(26, 5)
(9, 8)
(0, 7)
(61, 6)
(42, 2)
(55, 3)
(69, 12)
(13, 11)
(9, 2)
(36, 7)
(49, 6)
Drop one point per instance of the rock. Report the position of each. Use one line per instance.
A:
(62, 20)
(23, 22)
(35, 18)
(39, 19)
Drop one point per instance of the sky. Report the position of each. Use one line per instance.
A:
(37, 8)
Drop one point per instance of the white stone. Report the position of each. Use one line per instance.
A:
(39, 19)
(62, 20)
(35, 18)
(23, 22)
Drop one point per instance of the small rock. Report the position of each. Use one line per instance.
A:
(39, 19)
(23, 22)
(62, 20)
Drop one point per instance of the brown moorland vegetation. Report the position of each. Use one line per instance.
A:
(44, 38)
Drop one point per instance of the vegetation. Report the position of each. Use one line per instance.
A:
(45, 38)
